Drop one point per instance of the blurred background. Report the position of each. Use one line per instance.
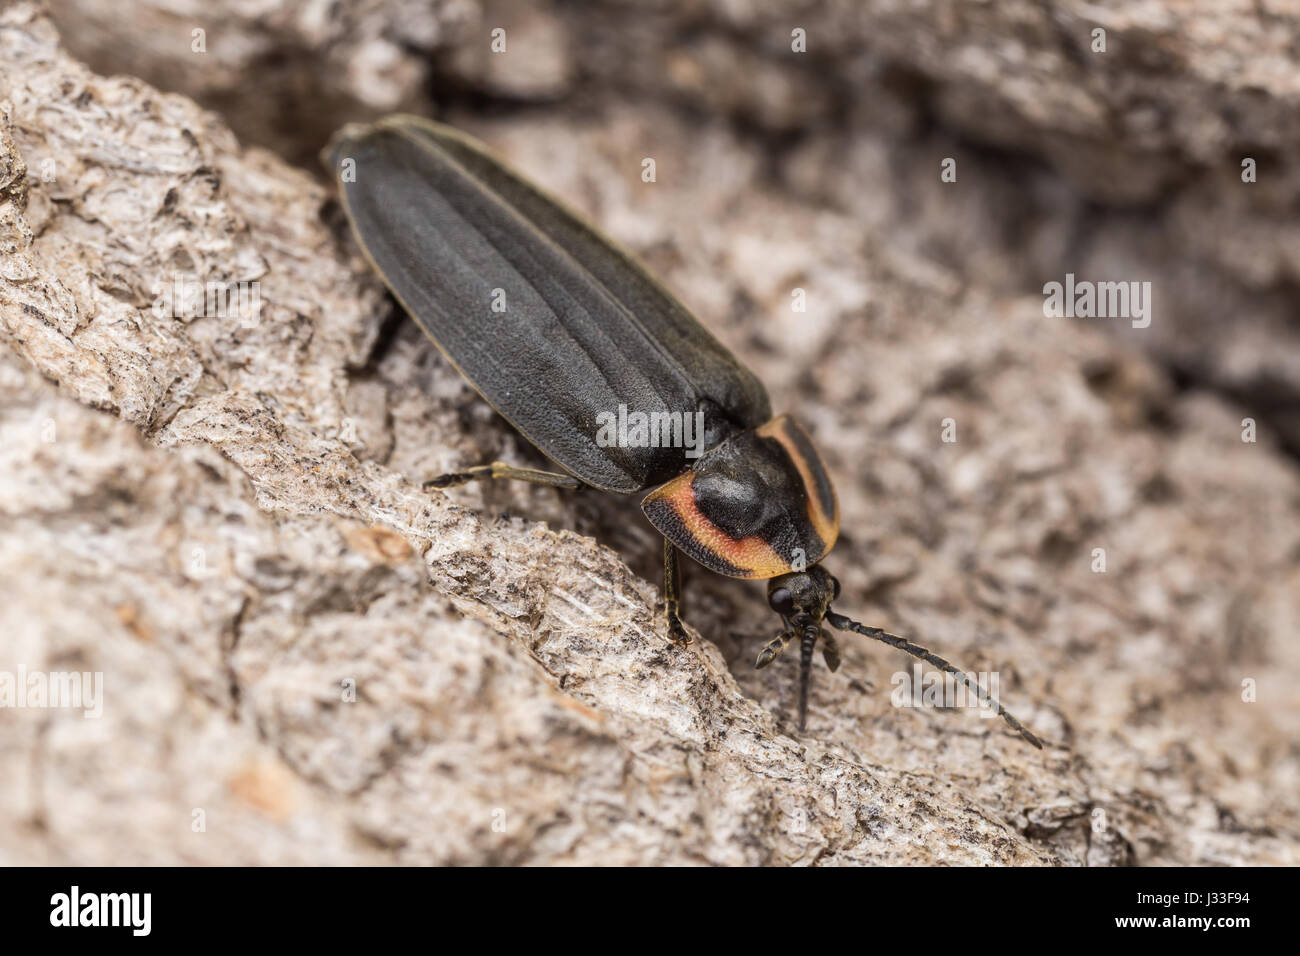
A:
(1115, 154)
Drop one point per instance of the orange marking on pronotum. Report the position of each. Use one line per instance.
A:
(751, 554)
(826, 526)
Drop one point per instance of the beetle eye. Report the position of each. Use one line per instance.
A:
(835, 588)
(782, 601)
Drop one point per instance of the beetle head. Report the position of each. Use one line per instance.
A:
(802, 598)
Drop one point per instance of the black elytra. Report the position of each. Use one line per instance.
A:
(602, 369)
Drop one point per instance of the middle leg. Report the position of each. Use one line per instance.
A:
(673, 593)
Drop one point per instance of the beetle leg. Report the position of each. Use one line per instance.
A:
(773, 650)
(499, 469)
(830, 651)
(672, 594)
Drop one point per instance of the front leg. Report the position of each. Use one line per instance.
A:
(830, 651)
(499, 469)
(773, 649)
(672, 594)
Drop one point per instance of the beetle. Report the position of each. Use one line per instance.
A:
(563, 332)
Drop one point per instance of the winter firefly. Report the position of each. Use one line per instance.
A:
(600, 367)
